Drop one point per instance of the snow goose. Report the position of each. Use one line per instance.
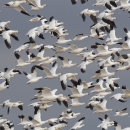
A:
(6, 36)
(63, 79)
(75, 1)
(33, 46)
(84, 64)
(36, 19)
(4, 85)
(113, 36)
(37, 31)
(96, 34)
(125, 45)
(77, 91)
(91, 13)
(118, 126)
(33, 76)
(99, 87)
(118, 97)
(10, 105)
(87, 85)
(20, 60)
(47, 62)
(101, 108)
(22, 47)
(126, 92)
(124, 58)
(127, 32)
(111, 83)
(62, 40)
(37, 5)
(105, 122)
(124, 4)
(16, 5)
(78, 124)
(2, 120)
(24, 120)
(122, 67)
(98, 3)
(110, 42)
(4, 25)
(75, 49)
(103, 73)
(63, 99)
(42, 106)
(60, 49)
(49, 95)
(75, 102)
(121, 113)
(79, 37)
(67, 63)
(109, 62)
(93, 103)
(50, 73)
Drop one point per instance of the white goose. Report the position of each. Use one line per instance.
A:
(118, 126)
(67, 63)
(75, 102)
(60, 49)
(79, 37)
(20, 60)
(96, 34)
(62, 40)
(84, 64)
(16, 5)
(118, 97)
(121, 113)
(37, 5)
(6, 36)
(77, 91)
(4, 85)
(36, 19)
(50, 73)
(101, 108)
(76, 50)
(33, 76)
(113, 36)
(78, 124)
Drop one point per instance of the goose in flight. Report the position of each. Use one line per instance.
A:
(101, 108)
(10, 105)
(49, 95)
(24, 120)
(33, 76)
(84, 64)
(113, 36)
(22, 47)
(16, 5)
(103, 73)
(118, 126)
(4, 25)
(36, 19)
(126, 44)
(50, 74)
(121, 113)
(126, 91)
(37, 31)
(62, 40)
(4, 85)
(64, 77)
(6, 36)
(42, 106)
(20, 60)
(36, 5)
(75, 1)
(88, 55)
(60, 49)
(79, 37)
(47, 62)
(124, 58)
(77, 91)
(75, 102)
(76, 50)
(118, 97)
(67, 63)
(91, 13)
(96, 34)
(78, 124)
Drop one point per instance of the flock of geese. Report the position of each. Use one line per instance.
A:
(102, 28)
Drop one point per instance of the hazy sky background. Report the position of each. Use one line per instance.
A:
(65, 12)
